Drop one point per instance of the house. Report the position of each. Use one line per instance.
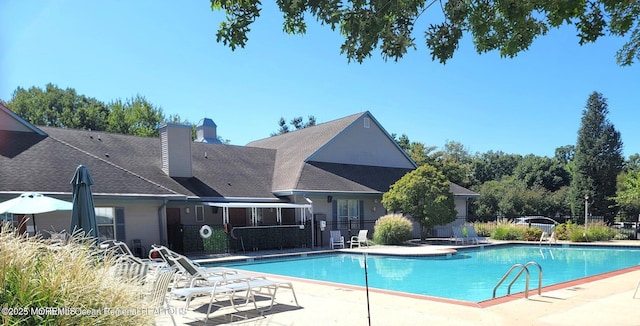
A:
(164, 189)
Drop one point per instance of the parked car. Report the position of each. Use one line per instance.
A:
(546, 224)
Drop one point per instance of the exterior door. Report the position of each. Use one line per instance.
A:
(174, 230)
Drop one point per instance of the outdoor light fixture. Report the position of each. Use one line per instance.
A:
(187, 210)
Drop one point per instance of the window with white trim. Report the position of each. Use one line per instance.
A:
(110, 222)
(348, 209)
(105, 217)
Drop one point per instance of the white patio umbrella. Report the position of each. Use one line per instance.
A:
(34, 203)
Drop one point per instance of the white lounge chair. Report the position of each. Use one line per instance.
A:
(336, 239)
(197, 275)
(472, 235)
(457, 235)
(215, 282)
(247, 290)
(157, 297)
(358, 240)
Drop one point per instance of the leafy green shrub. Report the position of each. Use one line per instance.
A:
(578, 235)
(595, 232)
(508, 232)
(532, 234)
(484, 229)
(35, 276)
(392, 229)
(600, 232)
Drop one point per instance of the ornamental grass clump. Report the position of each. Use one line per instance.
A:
(71, 284)
(393, 229)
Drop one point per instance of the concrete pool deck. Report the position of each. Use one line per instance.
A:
(600, 300)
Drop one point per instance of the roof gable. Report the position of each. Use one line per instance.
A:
(341, 141)
(12, 122)
(363, 142)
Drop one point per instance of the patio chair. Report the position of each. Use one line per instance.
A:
(58, 237)
(158, 297)
(188, 293)
(336, 239)
(358, 240)
(472, 235)
(247, 291)
(197, 275)
(457, 235)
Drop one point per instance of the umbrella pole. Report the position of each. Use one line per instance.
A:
(33, 220)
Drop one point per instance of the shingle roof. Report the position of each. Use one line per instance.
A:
(319, 176)
(294, 148)
(132, 166)
(122, 164)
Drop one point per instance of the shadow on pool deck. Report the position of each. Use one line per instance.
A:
(601, 300)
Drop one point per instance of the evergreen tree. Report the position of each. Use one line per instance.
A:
(598, 161)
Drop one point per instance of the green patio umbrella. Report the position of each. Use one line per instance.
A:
(83, 215)
(33, 203)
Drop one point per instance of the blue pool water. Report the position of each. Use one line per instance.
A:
(469, 275)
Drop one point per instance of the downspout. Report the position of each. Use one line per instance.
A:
(162, 221)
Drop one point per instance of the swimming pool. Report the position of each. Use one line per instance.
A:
(469, 275)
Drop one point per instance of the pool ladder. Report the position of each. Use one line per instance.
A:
(522, 268)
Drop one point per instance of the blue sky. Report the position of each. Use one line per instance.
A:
(166, 51)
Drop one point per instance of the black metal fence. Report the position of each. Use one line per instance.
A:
(275, 237)
(242, 239)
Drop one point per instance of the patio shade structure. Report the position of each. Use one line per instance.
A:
(33, 203)
(83, 215)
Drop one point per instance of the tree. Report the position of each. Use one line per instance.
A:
(135, 116)
(598, 161)
(537, 171)
(494, 165)
(56, 107)
(424, 195)
(628, 194)
(509, 26)
(564, 154)
(296, 122)
(64, 108)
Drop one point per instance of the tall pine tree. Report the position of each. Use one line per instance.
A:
(598, 161)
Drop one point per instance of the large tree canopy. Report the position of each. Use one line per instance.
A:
(509, 26)
(65, 108)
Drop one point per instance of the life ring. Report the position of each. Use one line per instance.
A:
(205, 231)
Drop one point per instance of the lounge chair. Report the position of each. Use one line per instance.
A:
(336, 239)
(197, 275)
(157, 297)
(358, 240)
(128, 265)
(246, 290)
(457, 235)
(472, 235)
(188, 293)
